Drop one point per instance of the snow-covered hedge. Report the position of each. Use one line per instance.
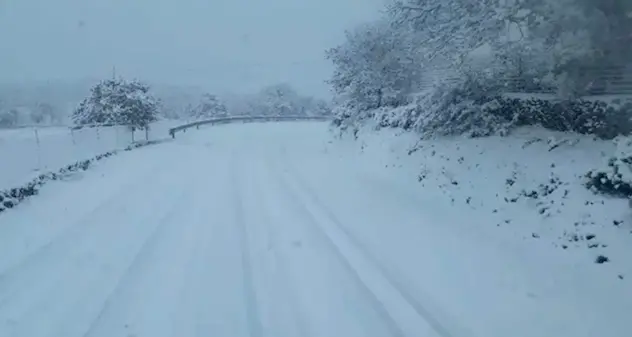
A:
(615, 179)
(598, 118)
(12, 197)
(467, 109)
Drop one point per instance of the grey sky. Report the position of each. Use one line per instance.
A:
(223, 45)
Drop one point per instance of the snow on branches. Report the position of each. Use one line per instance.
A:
(209, 107)
(118, 102)
(377, 66)
(557, 47)
(278, 100)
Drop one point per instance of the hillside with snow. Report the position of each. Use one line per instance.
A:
(529, 186)
(511, 117)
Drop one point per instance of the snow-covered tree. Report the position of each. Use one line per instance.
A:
(546, 41)
(137, 107)
(377, 65)
(279, 100)
(322, 108)
(189, 111)
(118, 102)
(313, 107)
(210, 107)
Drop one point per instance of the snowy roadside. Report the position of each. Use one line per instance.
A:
(26, 153)
(68, 152)
(10, 198)
(528, 187)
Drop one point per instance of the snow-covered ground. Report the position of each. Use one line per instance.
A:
(279, 230)
(529, 186)
(27, 152)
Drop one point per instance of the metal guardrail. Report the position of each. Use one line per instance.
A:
(242, 119)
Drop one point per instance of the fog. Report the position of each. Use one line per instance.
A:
(221, 45)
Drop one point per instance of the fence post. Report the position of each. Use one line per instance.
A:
(39, 150)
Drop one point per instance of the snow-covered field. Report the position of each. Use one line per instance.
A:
(27, 152)
(280, 230)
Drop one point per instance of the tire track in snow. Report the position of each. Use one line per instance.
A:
(79, 226)
(65, 241)
(139, 257)
(54, 305)
(189, 303)
(188, 309)
(252, 310)
(376, 303)
(286, 284)
(339, 236)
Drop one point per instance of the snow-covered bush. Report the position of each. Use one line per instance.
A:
(615, 179)
(466, 108)
(448, 109)
(599, 118)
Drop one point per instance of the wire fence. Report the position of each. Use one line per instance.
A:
(27, 152)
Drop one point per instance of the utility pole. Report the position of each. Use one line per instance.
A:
(114, 72)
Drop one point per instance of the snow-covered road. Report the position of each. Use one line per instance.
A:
(265, 230)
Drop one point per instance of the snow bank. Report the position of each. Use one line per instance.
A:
(27, 152)
(528, 186)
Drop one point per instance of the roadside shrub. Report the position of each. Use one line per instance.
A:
(469, 109)
(615, 179)
(598, 118)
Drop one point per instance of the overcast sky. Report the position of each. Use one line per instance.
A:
(222, 45)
